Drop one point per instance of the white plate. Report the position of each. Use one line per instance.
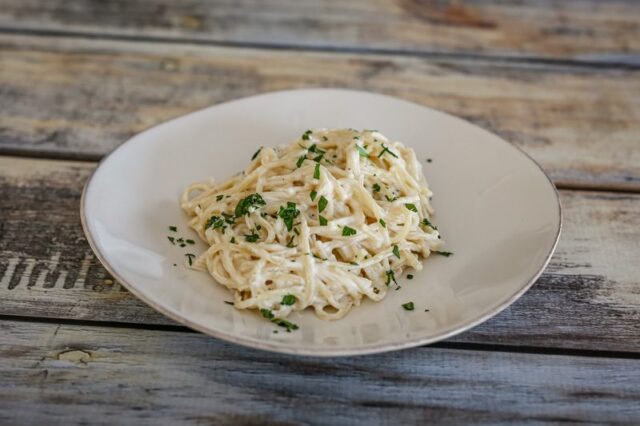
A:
(497, 210)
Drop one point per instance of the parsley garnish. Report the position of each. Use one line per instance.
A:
(288, 214)
(256, 154)
(376, 187)
(249, 204)
(189, 241)
(389, 199)
(278, 321)
(228, 303)
(443, 253)
(323, 220)
(429, 160)
(305, 135)
(290, 242)
(314, 148)
(301, 160)
(232, 240)
(324, 138)
(322, 204)
(383, 223)
(391, 276)
(347, 232)
(363, 152)
(190, 258)
(172, 240)
(408, 306)
(426, 222)
(313, 195)
(396, 251)
(316, 172)
(288, 300)
(215, 221)
(385, 149)
(318, 158)
(173, 228)
(409, 276)
(219, 197)
(252, 238)
(411, 207)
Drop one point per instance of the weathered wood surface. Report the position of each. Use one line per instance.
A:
(81, 98)
(589, 297)
(589, 30)
(75, 374)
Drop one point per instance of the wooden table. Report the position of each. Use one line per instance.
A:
(560, 79)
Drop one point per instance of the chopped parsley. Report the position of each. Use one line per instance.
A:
(215, 222)
(396, 251)
(409, 276)
(189, 241)
(323, 220)
(324, 138)
(426, 222)
(252, 238)
(290, 242)
(408, 306)
(278, 321)
(172, 240)
(313, 195)
(376, 187)
(232, 240)
(363, 152)
(386, 149)
(219, 197)
(429, 160)
(383, 223)
(443, 253)
(322, 204)
(288, 300)
(314, 148)
(248, 204)
(228, 303)
(347, 232)
(391, 276)
(301, 160)
(316, 172)
(256, 154)
(390, 199)
(305, 135)
(411, 207)
(288, 214)
(173, 228)
(190, 258)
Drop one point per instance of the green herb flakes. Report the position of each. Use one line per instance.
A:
(408, 306)
(316, 172)
(249, 204)
(383, 223)
(228, 303)
(363, 152)
(411, 207)
(219, 197)
(391, 276)
(426, 222)
(305, 135)
(443, 253)
(313, 195)
(288, 300)
(409, 276)
(190, 258)
(288, 214)
(386, 149)
(322, 204)
(301, 160)
(376, 187)
(323, 220)
(172, 240)
(215, 222)
(347, 232)
(173, 228)
(396, 251)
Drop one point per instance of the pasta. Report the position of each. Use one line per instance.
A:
(321, 223)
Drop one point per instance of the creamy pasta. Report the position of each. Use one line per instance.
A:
(323, 222)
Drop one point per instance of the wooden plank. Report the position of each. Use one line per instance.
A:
(587, 299)
(68, 97)
(588, 30)
(76, 374)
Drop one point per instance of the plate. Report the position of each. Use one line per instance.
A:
(495, 207)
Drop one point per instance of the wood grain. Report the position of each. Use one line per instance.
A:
(81, 98)
(587, 30)
(77, 374)
(588, 298)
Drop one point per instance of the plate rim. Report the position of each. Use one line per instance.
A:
(260, 344)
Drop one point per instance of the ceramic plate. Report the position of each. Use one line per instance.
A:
(497, 210)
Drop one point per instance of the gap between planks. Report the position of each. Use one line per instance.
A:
(465, 346)
(631, 65)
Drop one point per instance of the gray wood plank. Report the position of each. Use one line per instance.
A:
(69, 374)
(587, 30)
(81, 98)
(588, 298)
